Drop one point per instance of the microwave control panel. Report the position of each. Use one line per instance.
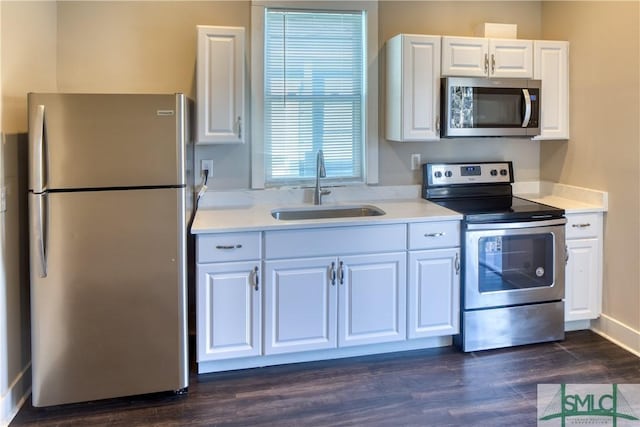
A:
(443, 174)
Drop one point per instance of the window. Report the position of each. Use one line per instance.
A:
(310, 86)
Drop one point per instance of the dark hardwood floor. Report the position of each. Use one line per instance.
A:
(434, 387)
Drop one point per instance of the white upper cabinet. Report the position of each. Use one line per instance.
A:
(465, 56)
(220, 85)
(551, 65)
(413, 88)
(482, 57)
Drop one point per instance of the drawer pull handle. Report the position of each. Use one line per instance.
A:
(228, 247)
(434, 234)
(341, 273)
(332, 273)
(583, 225)
(256, 278)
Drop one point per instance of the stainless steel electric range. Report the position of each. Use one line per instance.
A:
(513, 253)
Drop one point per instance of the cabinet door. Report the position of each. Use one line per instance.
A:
(551, 65)
(434, 293)
(413, 88)
(220, 85)
(300, 305)
(228, 310)
(511, 58)
(465, 56)
(582, 287)
(372, 299)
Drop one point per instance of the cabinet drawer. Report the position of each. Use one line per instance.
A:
(583, 225)
(335, 241)
(437, 234)
(228, 247)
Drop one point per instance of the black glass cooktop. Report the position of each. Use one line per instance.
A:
(498, 209)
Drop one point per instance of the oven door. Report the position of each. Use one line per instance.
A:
(514, 263)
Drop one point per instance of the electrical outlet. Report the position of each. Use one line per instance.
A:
(415, 161)
(206, 165)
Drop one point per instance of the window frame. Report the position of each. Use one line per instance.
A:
(370, 136)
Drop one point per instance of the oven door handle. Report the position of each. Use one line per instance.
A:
(514, 225)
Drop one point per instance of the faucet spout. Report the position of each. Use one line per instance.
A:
(321, 172)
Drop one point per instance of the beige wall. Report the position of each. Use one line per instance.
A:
(28, 57)
(603, 152)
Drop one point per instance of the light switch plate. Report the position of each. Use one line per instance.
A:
(415, 161)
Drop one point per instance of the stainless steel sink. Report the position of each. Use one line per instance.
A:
(321, 212)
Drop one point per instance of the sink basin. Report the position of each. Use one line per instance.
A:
(320, 212)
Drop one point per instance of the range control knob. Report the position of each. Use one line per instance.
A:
(448, 174)
(503, 172)
(493, 172)
(437, 174)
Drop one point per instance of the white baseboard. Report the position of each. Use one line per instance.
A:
(17, 393)
(618, 333)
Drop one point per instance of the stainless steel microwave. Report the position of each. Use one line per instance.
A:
(489, 107)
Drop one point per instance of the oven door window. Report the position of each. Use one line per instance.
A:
(509, 263)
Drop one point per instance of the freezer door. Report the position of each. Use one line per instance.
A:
(106, 140)
(108, 317)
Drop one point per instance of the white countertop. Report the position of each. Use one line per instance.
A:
(248, 210)
(258, 217)
(570, 198)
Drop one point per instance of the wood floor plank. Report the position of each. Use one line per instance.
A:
(433, 387)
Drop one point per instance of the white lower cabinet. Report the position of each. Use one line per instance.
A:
(434, 279)
(228, 296)
(228, 307)
(583, 272)
(300, 305)
(328, 302)
(582, 277)
(283, 296)
(319, 299)
(434, 292)
(372, 299)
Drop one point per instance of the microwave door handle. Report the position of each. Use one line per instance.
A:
(527, 107)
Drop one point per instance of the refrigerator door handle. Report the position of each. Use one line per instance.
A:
(39, 231)
(36, 143)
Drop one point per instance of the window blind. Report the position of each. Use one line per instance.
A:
(314, 95)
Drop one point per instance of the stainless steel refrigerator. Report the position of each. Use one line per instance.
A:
(109, 205)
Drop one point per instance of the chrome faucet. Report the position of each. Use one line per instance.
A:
(321, 172)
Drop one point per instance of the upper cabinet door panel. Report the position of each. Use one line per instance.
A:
(511, 58)
(465, 56)
(413, 88)
(551, 65)
(220, 85)
(421, 101)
